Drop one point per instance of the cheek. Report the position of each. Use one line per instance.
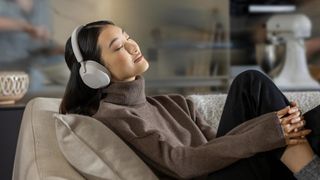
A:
(121, 56)
(122, 60)
(121, 65)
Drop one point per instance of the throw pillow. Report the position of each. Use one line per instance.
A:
(96, 152)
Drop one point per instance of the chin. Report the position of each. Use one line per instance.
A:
(145, 66)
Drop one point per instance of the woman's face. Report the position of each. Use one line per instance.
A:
(120, 54)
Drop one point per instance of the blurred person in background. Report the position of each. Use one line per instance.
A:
(25, 42)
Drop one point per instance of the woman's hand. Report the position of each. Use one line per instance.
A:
(293, 124)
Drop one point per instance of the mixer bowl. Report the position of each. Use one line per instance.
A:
(270, 58)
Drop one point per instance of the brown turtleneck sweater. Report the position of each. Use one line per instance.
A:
(172, 138)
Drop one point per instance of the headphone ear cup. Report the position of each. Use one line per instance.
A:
(94, 74)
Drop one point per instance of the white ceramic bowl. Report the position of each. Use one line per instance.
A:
(13, 86)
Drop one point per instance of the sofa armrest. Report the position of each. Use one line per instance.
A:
(38, 155)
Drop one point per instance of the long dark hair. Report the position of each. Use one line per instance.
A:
(78, 97)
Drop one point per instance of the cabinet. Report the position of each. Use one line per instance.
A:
(11, 116)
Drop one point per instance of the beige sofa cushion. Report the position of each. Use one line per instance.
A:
(211, 106)
(95, 151)
(38, 156)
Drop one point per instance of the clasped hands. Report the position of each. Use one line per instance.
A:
(292, 124)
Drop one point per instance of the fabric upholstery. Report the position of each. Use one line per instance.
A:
(38, 155)
(95, 151)
(211, 106)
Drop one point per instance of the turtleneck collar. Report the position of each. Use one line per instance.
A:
(126, 93)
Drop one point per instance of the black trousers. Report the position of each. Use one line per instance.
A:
(252, 94)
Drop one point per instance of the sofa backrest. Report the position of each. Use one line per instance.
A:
(211, 106)
(37, 154)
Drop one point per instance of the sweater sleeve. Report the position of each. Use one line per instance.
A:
(243, 141)
(203, 125)
(188, 106)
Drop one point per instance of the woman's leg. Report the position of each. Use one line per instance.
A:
(252, 94)
(312, 118)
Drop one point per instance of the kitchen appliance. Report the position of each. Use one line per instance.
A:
(291, 30)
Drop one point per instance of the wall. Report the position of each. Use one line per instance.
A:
(67, 14)
(137, 17)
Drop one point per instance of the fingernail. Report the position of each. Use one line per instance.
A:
(296, 120)
(309, 131)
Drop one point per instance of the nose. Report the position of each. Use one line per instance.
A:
(132, 48)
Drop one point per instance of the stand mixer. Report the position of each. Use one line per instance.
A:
(291, 29)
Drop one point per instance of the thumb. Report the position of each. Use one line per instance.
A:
(283, 111)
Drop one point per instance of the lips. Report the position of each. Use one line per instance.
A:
(139, 58)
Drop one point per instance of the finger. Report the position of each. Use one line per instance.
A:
(296, 118)
(290, 118)
(283, 111)
(295, 127)
(298, 129)
(286, 128)
(296, 141)
(284, 121)
(293, 110)
(299, 133)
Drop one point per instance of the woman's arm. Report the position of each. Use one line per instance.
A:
(188, 162)
(9, 24)
(203, 125)
(188, 107)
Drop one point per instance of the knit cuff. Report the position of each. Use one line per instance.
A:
(311, 171)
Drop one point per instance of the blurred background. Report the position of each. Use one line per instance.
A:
(193, 46)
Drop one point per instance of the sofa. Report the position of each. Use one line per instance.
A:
(52, 146)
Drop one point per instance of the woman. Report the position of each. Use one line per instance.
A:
(259, 129)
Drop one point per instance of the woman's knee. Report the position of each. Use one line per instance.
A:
(251, 79)
(252, 75)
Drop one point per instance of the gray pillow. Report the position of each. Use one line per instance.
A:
(96, 152)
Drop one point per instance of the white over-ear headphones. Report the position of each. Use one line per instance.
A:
(92, 73)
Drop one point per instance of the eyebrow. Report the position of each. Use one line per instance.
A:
(113, 40)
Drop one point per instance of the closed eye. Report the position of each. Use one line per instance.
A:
(119, 48)
(128, 38)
